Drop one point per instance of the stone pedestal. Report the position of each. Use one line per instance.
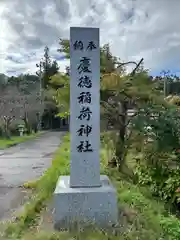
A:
(93, 205)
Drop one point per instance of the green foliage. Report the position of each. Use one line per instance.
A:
(164, 123)
(108, 62)
(64, 47)
(47, 68)
(121, 92)
(118, 93)
(14, 140)
(162, 182)
(62, 93)
(141, 217)
(159, 168)
(169, 83)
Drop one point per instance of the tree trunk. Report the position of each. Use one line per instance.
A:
(7, 122)
(120, 145)
(35, 128)
(27, 126)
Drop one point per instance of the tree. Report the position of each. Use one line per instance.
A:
(16, 105)
(64, 47)
(3, 80)
(24, 82)
(10, 108)
(160, 162)
(119, 92)
(67, 70)
(54, 68)
(16, 81)
(32, 108)
(47, 68)
(61, 94)
(174, 85)
(60, 82)
(108, 62)
(168, 83)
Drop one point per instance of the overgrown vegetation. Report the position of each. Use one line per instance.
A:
(5, 143)
(152, 130)
(141, 216)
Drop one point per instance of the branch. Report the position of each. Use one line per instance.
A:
(131, 62)
(131, 118)
(109, 113)
(107, 104)
(126, 63)
(137, 66)
(128, 136)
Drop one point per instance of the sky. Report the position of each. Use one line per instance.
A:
(133, 28)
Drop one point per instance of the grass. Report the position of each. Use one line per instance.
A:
(5, 143)
(141, 216)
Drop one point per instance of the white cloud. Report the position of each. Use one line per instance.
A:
(134, 29)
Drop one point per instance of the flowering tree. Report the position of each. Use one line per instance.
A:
(15, 105)
(32, 108)
(9, 107)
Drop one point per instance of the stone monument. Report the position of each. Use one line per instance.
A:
(84, 196)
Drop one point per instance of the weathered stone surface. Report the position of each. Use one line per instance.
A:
(85, 167)
(84, 205)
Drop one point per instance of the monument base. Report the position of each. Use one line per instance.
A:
(84, 206)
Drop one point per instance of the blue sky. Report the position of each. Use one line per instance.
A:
(133, 28)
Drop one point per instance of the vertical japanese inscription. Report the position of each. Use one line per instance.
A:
(84, 98)
(84, 120)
